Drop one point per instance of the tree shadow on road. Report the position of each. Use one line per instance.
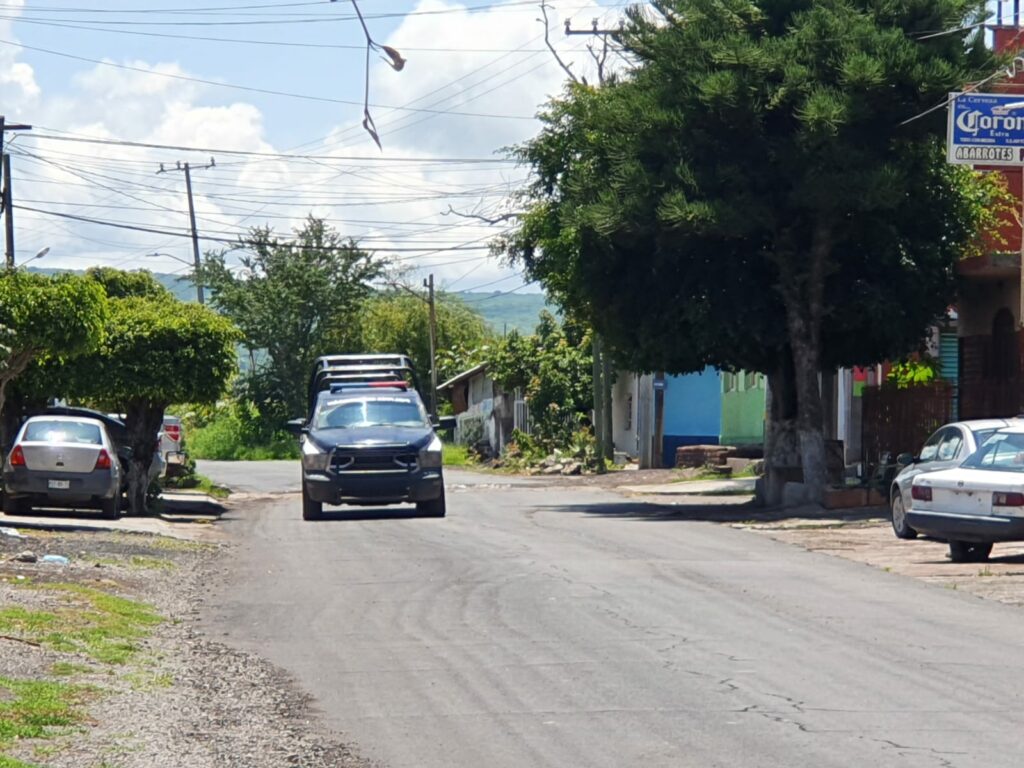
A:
(720, 512)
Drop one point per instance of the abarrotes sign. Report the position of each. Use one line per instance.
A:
(986, 129)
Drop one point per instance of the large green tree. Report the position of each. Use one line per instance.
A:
(45, 318)
(399, 322)
(762, 189)
(553, 369)
(293, 299)
(156, 351)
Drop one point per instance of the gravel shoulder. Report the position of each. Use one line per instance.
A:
(103, 664)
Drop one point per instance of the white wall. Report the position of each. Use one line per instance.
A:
(624, 405)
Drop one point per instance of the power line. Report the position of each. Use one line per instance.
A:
(251, 89)
(276, 155)
(279, 43)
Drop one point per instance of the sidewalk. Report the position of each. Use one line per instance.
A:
(739, 487)
(186, 516)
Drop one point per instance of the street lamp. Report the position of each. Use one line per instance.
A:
(199, 288)
(39, 254)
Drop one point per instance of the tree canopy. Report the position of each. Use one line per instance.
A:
(761, 190)
(399, 322)
(43, 317)
(119, 283)
(156, 351)
(293, 300)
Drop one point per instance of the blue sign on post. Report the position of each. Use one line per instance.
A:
(986, 129)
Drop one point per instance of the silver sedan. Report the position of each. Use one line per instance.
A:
(62, 461)
(945, 449)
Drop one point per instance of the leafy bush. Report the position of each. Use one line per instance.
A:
(235, 433)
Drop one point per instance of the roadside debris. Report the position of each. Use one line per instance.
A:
(26, 556)
(13, 533)
(54, 559)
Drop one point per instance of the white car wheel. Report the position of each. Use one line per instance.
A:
(899, 517)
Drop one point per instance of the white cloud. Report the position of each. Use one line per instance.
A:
(391, 207)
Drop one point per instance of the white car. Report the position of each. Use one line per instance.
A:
(945, 449)
(977, 503)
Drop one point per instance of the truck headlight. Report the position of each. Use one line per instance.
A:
(430, 457)
(313, 458)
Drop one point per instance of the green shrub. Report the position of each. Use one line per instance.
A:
(234, 433)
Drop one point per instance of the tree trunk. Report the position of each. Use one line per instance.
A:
(143, 420)
(782, 459)
(809, 423)
(803, 296)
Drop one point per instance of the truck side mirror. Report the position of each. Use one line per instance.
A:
(296, 426)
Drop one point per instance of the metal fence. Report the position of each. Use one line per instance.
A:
(899, 420)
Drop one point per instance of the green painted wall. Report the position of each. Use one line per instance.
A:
(743, 407)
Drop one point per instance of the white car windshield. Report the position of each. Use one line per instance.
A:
(62, 432)
(1003, 451)
(370, 412)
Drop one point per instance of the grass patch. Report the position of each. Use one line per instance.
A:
(457, 455)
(104, 627)
(138, 562)
(32, 708)
(199, 483)
(10, 762)
(161, 543)
(68, 668)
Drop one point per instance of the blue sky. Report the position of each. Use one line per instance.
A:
(488, 64)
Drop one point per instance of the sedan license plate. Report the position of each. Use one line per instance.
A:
(59, 485)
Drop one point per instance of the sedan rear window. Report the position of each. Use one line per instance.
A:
(62, 432)
(1003, 451)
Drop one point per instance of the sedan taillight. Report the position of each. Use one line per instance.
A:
(17, 457)
(1012, 499)
(103, 460)
(921, 492)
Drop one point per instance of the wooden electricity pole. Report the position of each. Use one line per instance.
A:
(192, 219)
(6, 196)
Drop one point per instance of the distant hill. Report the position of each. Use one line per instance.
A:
(503, 312)
(508, 311)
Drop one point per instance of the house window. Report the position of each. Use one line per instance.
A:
(629, 413)
(728, 381)
(750, 380)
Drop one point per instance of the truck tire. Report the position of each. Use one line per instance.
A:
(311, 510)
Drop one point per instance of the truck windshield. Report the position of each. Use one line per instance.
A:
(370, 412)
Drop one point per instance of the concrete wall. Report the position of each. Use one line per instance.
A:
(693, 411)
(625, 405)
(979, 300)
(743, 408)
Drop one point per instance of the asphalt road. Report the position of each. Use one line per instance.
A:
(253, 476)
(557, 627)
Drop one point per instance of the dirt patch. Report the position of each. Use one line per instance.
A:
(107, 646)
(871, 541)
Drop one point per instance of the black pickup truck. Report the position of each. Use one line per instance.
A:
(369, 443)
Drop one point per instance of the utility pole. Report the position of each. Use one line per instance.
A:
(6, 197)
(429, 285)
(192, 219)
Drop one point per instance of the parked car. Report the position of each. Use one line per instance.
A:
(977, 503)
(118, 433)
(370, 444)
(946, 448)
(62, 461)
(172, 439)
